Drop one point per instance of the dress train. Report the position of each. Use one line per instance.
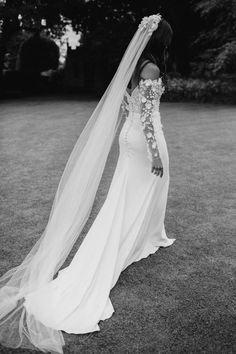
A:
(128, 227)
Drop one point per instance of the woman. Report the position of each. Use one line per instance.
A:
(35, 306)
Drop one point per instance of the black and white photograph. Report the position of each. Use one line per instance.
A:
(117, 176)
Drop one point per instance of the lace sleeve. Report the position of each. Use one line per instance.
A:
(148, 96)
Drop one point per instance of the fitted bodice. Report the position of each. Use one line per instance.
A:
(135, 99)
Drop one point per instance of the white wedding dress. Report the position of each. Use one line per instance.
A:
(128, 227)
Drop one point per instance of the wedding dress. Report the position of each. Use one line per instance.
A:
(128, 227)
(35, 306)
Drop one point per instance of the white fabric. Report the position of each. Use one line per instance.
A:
(70, 210)
(128, 227)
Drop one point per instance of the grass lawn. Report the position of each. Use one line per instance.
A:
(180, 299)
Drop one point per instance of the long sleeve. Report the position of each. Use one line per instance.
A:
(148, 96)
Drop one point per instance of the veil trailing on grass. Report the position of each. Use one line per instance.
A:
(71, 208)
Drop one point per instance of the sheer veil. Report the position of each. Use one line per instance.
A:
(71, 208)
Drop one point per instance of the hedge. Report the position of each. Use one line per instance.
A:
(201, 90)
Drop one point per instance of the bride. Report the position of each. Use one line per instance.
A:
(37, 299)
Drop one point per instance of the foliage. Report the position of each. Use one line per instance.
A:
(217, 40)
(23, 14)
(31, 12)
(13, 48)
(38, 54)
(202, 90)
(207, 27)
(119, 20)
(105, 23)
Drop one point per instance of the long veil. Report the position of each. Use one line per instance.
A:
(71, 208)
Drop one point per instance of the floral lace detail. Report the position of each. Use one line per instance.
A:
(131, 103)
(149, 93)
(145, 100)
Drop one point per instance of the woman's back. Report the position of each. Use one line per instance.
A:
(147, 74)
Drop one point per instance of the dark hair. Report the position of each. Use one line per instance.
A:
(157, 46)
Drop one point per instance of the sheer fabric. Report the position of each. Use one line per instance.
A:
(128, 227)
(70, 210)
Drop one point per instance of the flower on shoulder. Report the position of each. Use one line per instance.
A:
(148, 82)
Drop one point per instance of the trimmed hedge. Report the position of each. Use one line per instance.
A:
(201, 90)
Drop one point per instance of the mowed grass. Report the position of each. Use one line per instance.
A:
(180, 299)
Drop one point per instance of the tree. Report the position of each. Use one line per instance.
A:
(217, 41)
(113, 22)
(38, 54)
(28, 14)
(107, 25)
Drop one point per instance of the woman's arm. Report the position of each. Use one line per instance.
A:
(149, 77)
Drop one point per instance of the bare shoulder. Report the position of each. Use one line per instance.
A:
(150, 71)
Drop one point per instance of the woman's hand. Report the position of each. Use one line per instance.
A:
(157, 167)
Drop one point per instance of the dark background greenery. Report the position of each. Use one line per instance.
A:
(202, 60)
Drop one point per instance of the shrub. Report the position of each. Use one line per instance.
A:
(202, 90)
(216, 40)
